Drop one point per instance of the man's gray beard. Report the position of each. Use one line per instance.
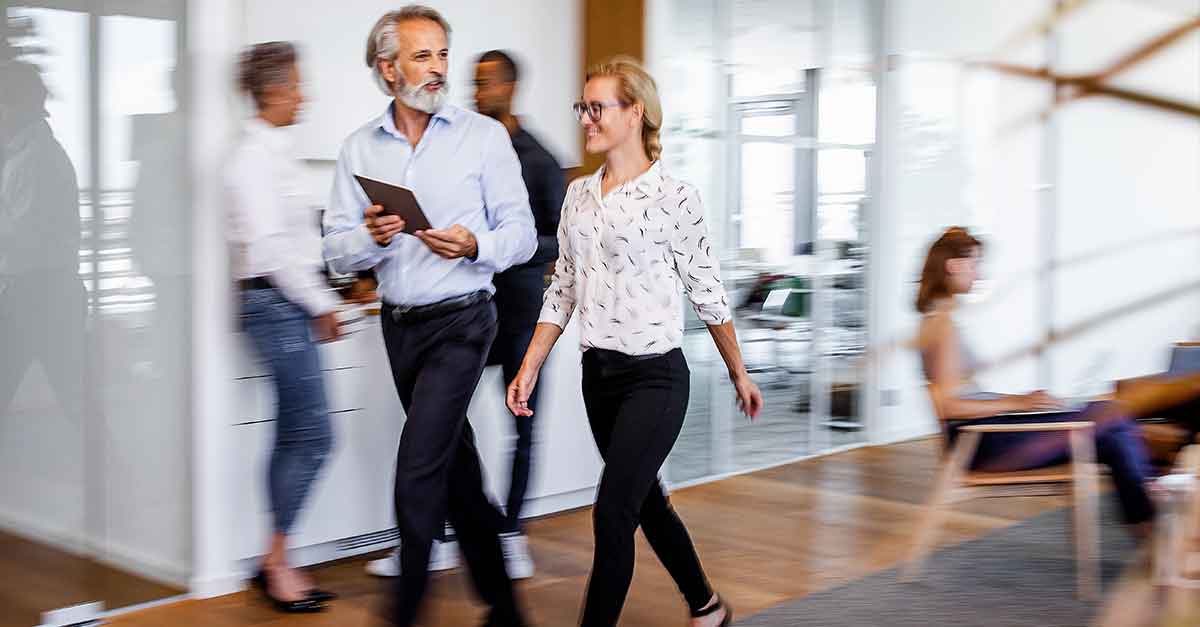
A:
(421, 100)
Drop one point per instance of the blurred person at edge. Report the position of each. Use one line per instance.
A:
(520, 289)
(950, 271)
(286, 306)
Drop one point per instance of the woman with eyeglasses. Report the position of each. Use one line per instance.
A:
(632, 240)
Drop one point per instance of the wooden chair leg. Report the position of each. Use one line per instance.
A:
(1191, 512)
(1086, 513)
(1182, 525)
(931, 518)
(1170, 546)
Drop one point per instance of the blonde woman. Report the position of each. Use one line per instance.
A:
(632, 240)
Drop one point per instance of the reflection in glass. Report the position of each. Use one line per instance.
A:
(144, 298)
(779, 123)
(43, 304)
(93, 403)
(768, 188)
(772, 44)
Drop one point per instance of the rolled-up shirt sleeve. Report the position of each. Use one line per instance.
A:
(697, 267)
(347, 244)
(558, 303)
(511, 237)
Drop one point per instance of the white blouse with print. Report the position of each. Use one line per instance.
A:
(626, 258)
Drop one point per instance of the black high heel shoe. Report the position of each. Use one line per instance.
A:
(317, 594)
(712, 609)
(308, 605)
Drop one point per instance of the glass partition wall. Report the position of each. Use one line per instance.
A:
(770, 110)
(95, 273)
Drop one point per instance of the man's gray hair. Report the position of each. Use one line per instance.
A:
(384, 41)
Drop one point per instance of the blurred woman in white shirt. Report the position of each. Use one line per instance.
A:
(286, 307)
(632, 241)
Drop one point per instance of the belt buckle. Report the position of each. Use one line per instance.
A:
(398, 313)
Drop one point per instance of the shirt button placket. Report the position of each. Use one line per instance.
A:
(596, 289)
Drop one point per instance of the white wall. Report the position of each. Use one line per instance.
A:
(546, 36)
(216, 29)
(1128, 241)
(1087, 215)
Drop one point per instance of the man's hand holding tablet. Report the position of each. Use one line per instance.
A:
(396, 210)
(451, 243)
(383, 227)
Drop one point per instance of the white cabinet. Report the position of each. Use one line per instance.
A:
(352, 498)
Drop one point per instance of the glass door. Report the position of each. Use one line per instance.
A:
(769, 109)
(845, 139)
(94, 500)
(773, 220)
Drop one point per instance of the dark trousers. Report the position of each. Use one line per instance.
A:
(508, 351)
(518, 303)
(1118, 445)
(636, 409)
(436, 365)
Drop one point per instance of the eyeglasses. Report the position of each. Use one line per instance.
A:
(595, 109)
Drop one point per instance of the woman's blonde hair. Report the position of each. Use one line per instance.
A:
(637, 86)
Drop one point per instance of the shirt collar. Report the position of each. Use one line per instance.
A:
(649, 182)
(447, 113)
(276, 138)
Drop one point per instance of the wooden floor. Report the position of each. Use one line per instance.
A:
(39, 578)
(765, 538)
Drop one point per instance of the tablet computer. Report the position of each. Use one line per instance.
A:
(396, 200)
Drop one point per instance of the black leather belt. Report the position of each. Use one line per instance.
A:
(607, 356)
(257, 283)
(421, 313)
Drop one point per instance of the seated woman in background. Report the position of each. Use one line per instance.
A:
(951, 269)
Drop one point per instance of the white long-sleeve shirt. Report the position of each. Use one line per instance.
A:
(271, 226)
(626, 259)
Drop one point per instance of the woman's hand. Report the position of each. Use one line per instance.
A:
(520, 390)
(326, 327)
(1040, 401)
(749, 398)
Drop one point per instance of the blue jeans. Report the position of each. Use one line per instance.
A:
(1118, 445)
(281, 332)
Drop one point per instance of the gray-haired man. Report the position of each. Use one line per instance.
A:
(438, 317)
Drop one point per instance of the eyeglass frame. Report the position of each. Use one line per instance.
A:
(582, 107)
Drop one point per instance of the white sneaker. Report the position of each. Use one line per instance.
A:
(443, 556)
(385, 566)
(516, 555)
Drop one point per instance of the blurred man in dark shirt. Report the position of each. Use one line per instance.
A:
(519, 290)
